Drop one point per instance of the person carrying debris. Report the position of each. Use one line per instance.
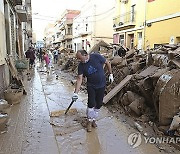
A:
(91, 66)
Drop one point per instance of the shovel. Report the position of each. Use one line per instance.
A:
(70, 106)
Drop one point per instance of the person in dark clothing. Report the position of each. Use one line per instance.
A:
(40, 54)
(122, 51)
(91, 66)
(31, 56)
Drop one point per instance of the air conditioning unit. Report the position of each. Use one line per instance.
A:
(149, 24)
(124, 1)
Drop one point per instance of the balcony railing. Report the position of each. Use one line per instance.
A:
(68, 36)
(17, 2)
(59, 39)
(125, 19)
(83, 33)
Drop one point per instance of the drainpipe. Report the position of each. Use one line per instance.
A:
(145, 14)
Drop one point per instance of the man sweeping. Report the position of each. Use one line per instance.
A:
(92, 67)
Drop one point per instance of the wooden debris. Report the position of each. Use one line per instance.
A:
(14, 73)
(119, 87)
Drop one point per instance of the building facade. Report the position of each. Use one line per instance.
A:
(93, 24)
(49, 32)
(14, 34)
(144, 24)
(63, 29)
(128, 23)
(162, 22)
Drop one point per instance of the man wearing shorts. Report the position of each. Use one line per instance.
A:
(91, 66)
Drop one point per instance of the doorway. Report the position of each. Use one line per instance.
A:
(130, 41)
(139, 46)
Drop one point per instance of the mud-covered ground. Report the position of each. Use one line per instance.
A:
(111, 136)
(38, 124)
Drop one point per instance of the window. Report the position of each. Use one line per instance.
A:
(139, 35)
(132, 43)
(133, 13)
(82, 44)
(86, 27)
(69, 31)
(121, 39)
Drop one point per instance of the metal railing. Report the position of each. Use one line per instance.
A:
(21, 7)
(123, 19)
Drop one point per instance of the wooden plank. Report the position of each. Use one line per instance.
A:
(149, 71)
(116, 89)
(176, 63)
(14, 72)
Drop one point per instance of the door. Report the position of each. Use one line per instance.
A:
(121, 39)
(130, 41)
(139, 46)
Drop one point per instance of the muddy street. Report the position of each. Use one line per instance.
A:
(38, 124)
(79, 77)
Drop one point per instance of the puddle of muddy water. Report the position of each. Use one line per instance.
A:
(70, 131)
(65, 124)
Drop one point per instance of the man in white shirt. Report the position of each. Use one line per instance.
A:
(55, 53)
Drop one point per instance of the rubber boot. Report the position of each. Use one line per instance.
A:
(94, 124)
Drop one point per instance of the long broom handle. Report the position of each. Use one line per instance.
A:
(69, 106)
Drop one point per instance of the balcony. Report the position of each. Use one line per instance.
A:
(59, 39)
(124, 21)
(29, 17)
(68, 37)
(17, 2)
(21, 12)
(83, 34)
(28, 2)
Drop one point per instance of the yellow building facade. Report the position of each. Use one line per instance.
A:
(162, 22)
(144, 24)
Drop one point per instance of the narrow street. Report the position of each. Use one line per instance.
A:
(117, 64)
(38, 124)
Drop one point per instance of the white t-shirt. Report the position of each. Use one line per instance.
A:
(55, 52)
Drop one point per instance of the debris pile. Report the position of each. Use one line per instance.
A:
(146, 85)
(13, 95)
(154, 89)
(67, 60)
(14, 92)
(4, 112)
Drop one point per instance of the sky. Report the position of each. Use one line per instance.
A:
(45, 11)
